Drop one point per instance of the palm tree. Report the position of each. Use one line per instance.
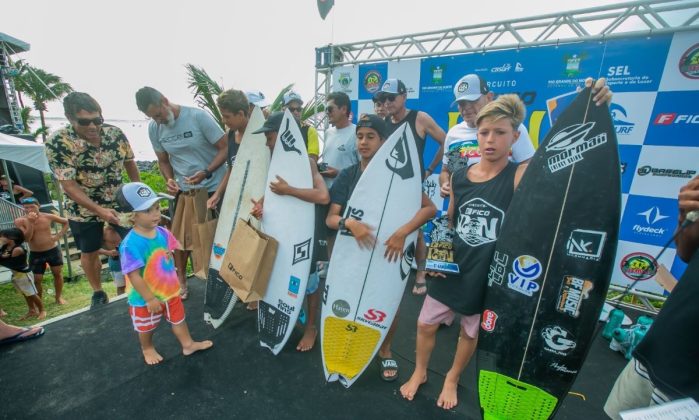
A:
(42, 87)
(205, 91)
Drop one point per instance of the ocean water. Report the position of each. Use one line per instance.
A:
(135, 130)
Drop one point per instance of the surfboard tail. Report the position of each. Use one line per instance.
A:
(502, 397)
(219, 299)
(348, 347)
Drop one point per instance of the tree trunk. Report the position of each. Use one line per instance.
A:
(43, 125)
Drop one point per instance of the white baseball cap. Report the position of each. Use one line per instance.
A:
(292, 96)
(469, 88)
(257, 98)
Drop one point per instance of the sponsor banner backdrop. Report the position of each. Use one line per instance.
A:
(654, 111)
(346, 79)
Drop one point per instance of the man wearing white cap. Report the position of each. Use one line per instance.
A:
(294, 103)
(471, 94)
(257, 98)
(393, 95)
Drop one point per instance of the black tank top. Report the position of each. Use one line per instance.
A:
(18, 263)
(479, 211)
(411, 119)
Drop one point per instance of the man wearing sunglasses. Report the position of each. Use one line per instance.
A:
(88, 158)
(294, 103)
(191, 149)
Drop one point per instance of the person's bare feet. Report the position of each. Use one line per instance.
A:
(447, 398)
(252, 306)
(151, 356)
(41, 315)
(409, 389)
(197, 346)
(2, 313)
(60, 301)
(308, 340)
(29, 314)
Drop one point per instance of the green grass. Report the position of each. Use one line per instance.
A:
(78, 294)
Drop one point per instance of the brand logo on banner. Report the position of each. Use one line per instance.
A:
(573, 291)
(438, 74)
(651, 217)
(573, 62)
(572, 141)
(667, 172)
(586, 244)
(519, 67)
(502, 69)
(479, 222)
(372, 81)
(525, 269)
(399, 161)
(667, 118)
(639, 266)
(345, 80)
(619, 117)
(689, 62)
(558, 340)
(490, 318)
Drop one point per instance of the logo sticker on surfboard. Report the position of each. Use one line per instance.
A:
(571, 143)
(288, 140)
(573, 292)
(525, 269)
(558, 340)
(497, 268)
(586, 244)
(302, 251)
(399, 161)
(489, 320)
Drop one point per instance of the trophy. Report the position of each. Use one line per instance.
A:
(440, 252)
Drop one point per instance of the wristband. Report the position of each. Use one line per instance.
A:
(341, 224)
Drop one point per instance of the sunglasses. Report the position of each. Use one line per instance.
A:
(87, 121)
(390, 97)
(329, 109)
(295, 108)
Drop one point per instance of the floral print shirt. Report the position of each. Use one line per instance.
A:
(97, 169)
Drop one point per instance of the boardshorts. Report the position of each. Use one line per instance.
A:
(434, 312)
(144, 321)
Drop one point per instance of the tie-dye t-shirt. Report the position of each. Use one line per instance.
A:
(153, 259)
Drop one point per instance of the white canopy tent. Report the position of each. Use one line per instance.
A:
(25, 152)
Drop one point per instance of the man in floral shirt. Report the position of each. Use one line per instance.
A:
(88, 158)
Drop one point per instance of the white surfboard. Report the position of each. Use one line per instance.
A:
(363, 290)
(291, 222)
(247, 181)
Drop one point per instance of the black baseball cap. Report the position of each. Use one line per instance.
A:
(375, 122)
(273, 123)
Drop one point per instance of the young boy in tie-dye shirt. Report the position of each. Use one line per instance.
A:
(152, 286)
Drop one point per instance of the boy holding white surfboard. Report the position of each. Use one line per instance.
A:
(371, 132)
(318, 194)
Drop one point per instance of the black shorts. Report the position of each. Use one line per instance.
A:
(89, 235)
(38, 260)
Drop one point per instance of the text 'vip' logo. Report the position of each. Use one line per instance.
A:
(586, 244)
(525, 269)
(302, 251)
(399, 159)
(288, 139)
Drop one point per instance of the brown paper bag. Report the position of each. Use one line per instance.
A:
(202, 241)
(190, 210)
(248, 261)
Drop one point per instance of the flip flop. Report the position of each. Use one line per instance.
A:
(420, 289)
(19, 337)
(386, 365)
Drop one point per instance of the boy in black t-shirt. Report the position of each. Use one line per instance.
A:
(494, 178)
(371, 133)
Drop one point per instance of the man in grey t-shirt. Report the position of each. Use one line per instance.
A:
(191, 148)
(340, 144)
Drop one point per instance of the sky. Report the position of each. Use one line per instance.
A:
(111, 49)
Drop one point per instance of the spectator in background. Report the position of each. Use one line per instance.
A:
(18, 191)
(257, 98)
(88, 158)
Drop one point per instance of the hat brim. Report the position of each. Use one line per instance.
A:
(146, 205)
(470, 98)
(263, 130)
(263, 103)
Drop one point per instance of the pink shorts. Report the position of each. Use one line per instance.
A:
(144, 321)
(434, 312)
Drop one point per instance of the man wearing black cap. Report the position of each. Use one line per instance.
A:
(317, 195)
(393, 95)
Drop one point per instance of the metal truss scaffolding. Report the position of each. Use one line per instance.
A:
(600, 23)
